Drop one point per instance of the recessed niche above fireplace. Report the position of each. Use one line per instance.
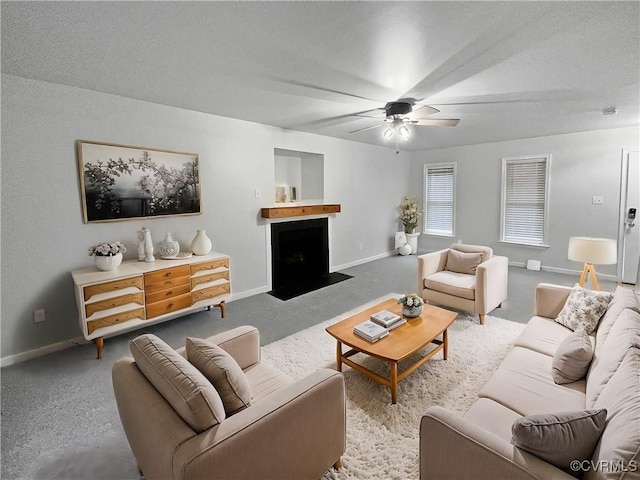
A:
(300, 258)
(299, 177)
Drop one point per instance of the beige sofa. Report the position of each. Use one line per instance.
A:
(291, 429)
(479, 444)
(465, 277)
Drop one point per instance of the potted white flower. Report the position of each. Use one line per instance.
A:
(107, 255)
(409, 214)
(412, 305)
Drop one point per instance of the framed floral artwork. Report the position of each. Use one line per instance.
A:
(123, 182)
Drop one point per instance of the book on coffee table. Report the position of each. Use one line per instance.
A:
(385, 318)
(370, 331)
(397, 324)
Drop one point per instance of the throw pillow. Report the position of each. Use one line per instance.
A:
(560, 438)
(583, 309)
(188, 392)
(461, 262)
(572, 358)
(222, 371)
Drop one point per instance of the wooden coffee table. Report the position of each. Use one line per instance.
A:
(398, 345)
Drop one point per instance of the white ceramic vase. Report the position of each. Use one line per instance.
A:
(411, 312)
(201, 244)
(107, 263)
(169, 248)
(412, 240)
(405, 249)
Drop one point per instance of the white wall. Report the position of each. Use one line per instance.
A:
(43, 236)
(583, 165)
(312, 168)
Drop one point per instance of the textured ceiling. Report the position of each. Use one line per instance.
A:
(507, 70)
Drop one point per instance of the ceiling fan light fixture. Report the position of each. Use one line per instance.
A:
(404, 133)
(388, 133)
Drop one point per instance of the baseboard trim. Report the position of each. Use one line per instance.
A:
(569, 271)
(248, 293)
(355, 263)
(39, 352)
(565, 271)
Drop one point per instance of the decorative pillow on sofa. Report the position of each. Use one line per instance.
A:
(583, 309)
(188, 392)
(461, 262)
(560, 438)
(623, 298)
(572, 358)
(222, 371)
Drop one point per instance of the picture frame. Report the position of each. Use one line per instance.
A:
(293, 194)
(125, 182)
(281, 194)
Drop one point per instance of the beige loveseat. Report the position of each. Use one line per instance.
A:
(290, 429)
(479, 444)
(465, 277)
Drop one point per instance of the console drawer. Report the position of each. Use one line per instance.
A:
(168, 293)
(166, 274)
(212, 265)
(167, 306)
(116, 285)
(211, 277)
(91, 308)
(166, 284)
(93, 325)
(210, 292)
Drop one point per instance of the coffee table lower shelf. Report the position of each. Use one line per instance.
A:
(395, 376)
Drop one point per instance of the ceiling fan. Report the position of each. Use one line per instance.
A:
(400, 114)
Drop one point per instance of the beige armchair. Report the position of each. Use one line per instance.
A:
(464, 277)
(291, 428)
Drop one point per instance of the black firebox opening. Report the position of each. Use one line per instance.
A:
(300, 258)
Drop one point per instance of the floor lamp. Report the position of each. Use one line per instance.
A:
(598, 251)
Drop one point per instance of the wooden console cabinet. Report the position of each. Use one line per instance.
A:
(137, 294)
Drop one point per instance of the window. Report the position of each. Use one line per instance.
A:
(439, 198)
(525, 182)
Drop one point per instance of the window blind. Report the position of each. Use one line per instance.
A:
(439, 199)
(524, 208)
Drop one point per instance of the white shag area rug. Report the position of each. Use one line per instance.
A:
(382, 439)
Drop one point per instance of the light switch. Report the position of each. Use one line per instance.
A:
(258, 193)
(597, 200)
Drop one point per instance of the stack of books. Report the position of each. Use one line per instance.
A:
(370, 331)
(387, 319)
(379, 325)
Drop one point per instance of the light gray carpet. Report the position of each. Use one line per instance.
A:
(58, 412)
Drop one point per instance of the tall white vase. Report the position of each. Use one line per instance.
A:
(201, 244)
(412, 240)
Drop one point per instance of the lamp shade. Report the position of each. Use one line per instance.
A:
(598, 251)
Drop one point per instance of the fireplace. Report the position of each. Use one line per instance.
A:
(300, 258)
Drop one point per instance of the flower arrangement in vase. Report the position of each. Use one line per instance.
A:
(107, 255)
(409, 214)
(412, 305)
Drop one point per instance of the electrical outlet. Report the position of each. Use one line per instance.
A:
(360, 246)
(38, 316)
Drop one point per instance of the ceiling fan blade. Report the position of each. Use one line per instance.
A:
(367, 128)
(371, 113)
(424, 110)
(436, 122)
